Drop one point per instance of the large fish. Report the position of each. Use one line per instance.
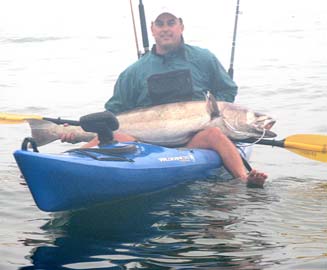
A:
(172, 124)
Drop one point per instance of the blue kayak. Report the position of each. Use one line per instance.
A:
(84, 177)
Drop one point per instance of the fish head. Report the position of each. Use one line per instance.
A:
(238, 122)
(260, 123)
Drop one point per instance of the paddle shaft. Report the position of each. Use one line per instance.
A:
(288, 144)
(60, 121)
(264, 142)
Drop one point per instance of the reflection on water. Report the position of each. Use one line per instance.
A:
(204, 225)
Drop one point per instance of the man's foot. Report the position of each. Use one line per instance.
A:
(255, 179)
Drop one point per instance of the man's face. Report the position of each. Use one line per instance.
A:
(167, 31)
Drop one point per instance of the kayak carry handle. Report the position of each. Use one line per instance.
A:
(29, 142)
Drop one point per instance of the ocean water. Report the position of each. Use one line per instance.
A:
(61, 58)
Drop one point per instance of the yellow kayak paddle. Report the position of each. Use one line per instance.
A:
(11, 118)
(312, 146)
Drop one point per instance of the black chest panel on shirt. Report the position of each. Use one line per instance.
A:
(170, 87)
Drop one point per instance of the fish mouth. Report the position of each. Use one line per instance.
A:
(268, 124)
(264, 125)
(269, 134)
(262, 128)
(265, 128)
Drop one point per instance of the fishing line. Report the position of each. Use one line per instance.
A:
(255, 142)
(230, 127)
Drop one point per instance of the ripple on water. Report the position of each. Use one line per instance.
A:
(203, 225)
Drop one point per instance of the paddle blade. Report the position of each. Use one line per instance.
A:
(10, 118)
(312, 146)
(318, 156)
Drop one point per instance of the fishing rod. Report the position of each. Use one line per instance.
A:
(144, 30)
(231, 65)
(134, 29)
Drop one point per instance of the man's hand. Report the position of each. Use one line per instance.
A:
(68, 137)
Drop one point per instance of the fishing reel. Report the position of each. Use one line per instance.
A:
(102, 123)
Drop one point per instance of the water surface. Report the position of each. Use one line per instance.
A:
(61, 58)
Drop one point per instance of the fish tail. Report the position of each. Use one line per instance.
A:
(45, 132)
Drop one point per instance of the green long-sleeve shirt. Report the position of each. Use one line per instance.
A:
(207, 73)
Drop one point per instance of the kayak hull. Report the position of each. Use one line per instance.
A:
(70, 181)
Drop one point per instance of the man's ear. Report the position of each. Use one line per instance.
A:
(152, 23)
(181, 22)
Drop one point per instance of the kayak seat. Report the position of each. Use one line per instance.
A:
(106, 154)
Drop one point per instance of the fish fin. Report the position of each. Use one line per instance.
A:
(40, 131)
(212, 106)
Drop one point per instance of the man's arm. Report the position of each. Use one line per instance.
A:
(122, 98)
(223, 87)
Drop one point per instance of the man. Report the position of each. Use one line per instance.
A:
(174, 71)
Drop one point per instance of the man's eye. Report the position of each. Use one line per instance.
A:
(171, 22)
(159, 23)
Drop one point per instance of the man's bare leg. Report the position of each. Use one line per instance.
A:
(213, 138)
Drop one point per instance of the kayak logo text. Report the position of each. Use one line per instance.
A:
(188, 158)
